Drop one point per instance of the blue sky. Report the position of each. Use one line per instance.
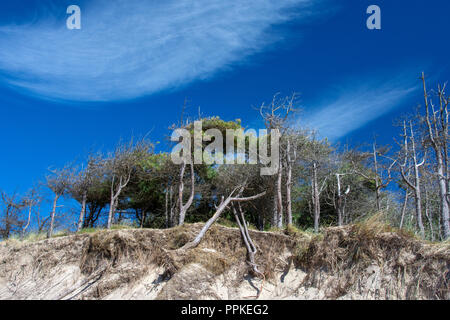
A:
(130, 67)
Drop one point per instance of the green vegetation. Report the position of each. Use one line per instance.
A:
(318, 184)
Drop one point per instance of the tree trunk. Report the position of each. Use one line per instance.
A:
(52, 216)
(315, 198)
(166, 209)
(377, 184)
(339, 200)
(428, 214)
(28, 221)
(112, 203)
(112, 210)
(185, 207)
(417, 189)
(143, 216)
(377, 194)
(289, 186)
(418, 203)
(222, 206)
(288, 196)
(439, 142)
(251, 248)
(208, 224)
(274, 211)
(83, 212)
(340, 217)
(181, 214)
(115, 194)
(416, 185)
(171, 206)
(405, 202)
(443, 202)
(261, 222)
(279, 197)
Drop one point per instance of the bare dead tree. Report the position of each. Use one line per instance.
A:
(437, 127)
(378, 184)
(381, 181)
(316, 191)
(404, 206)
(292, 145)
(83, 181)
(234, 196)
(279, 197)
(290, 160)
(121, 170)
(315, 196)
(339, 170)
(31, 199)
(276, 116)
(120, 165)
(316, 155)
(410, 151)
(428, 211)
(183, 207)
(59, 181)
(179, 204)
(340, 201)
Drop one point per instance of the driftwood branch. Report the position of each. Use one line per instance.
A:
(220, 209)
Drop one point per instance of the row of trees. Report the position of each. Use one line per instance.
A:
(316, 184)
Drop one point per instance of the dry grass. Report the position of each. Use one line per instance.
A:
(407, 268)
(220, 250)
(341, 261)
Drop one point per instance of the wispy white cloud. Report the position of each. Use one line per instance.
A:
(356, 104)
(130, 48)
